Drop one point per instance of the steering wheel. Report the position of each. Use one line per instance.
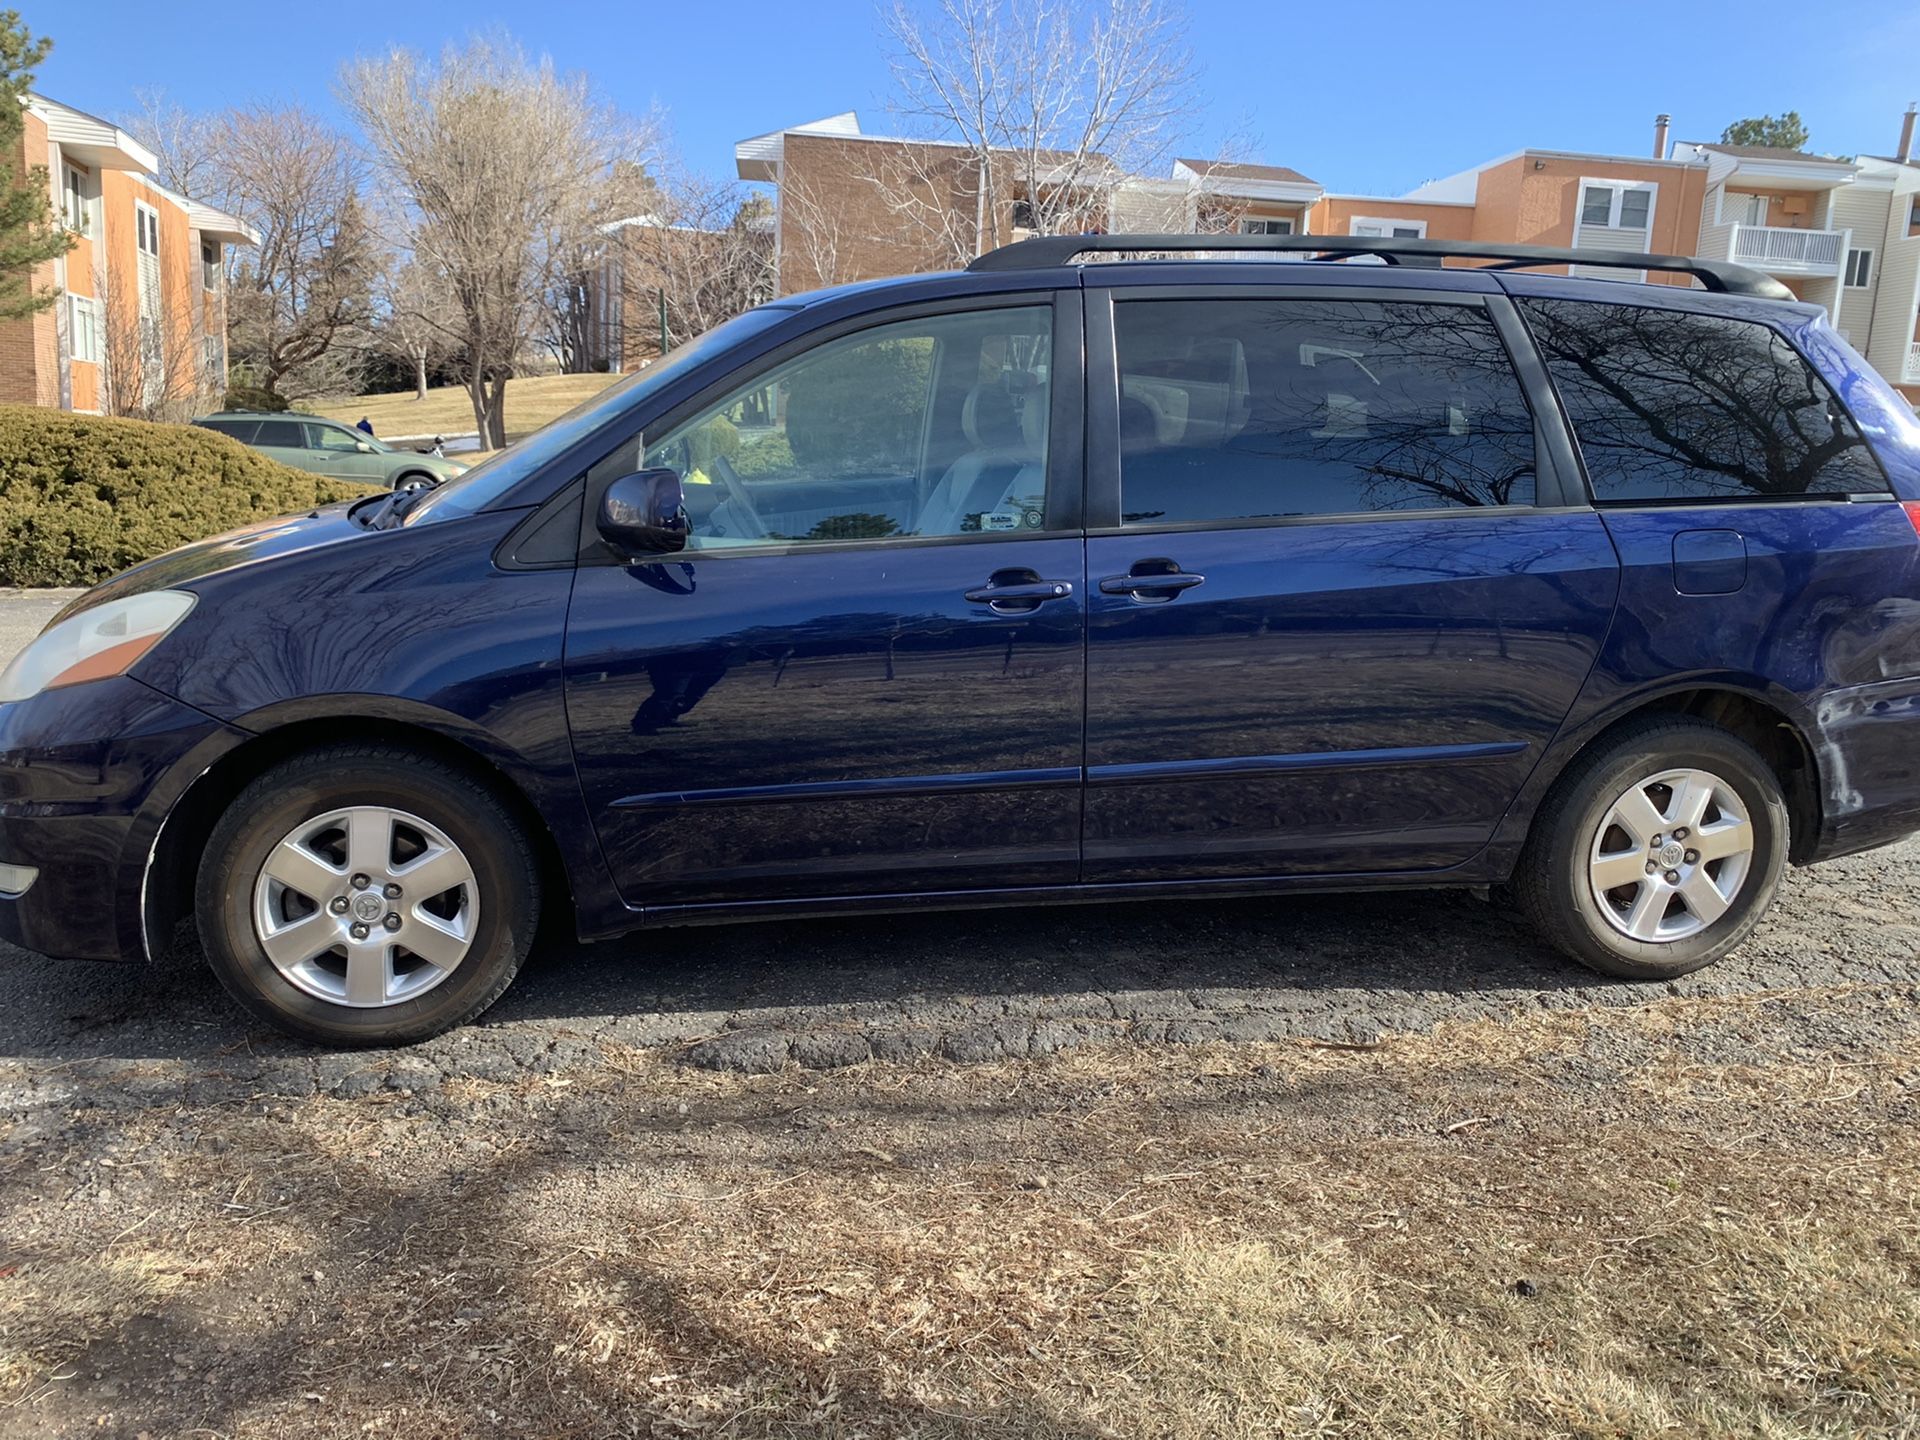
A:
(750, 520)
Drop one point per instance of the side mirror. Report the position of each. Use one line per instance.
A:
(363, 447)
(644, 514)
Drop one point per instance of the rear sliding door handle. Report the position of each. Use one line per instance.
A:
(1151, 581)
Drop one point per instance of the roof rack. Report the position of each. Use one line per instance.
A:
(1719, 276)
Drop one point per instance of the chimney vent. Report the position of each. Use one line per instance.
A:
(1660, 124)
(1905, 152)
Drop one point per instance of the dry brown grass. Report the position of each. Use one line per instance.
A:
(532, 400)
(1289, 1240)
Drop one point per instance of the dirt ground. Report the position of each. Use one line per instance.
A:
(1695, 1216)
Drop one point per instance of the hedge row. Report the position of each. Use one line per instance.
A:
(83, 497)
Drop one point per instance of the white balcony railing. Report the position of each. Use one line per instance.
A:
(1789, 252)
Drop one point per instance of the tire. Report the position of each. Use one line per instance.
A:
(1590, 830)
(317, 818)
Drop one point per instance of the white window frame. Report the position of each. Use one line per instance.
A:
(76, 185)
(1387, 226)
(1618, 189)
(1262, 225)
(146, 221)
(86, 329)
(1846, 268)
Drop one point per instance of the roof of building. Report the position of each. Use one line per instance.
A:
(1235, 170)
(91, 140)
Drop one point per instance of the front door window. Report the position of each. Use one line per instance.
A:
(923, 428)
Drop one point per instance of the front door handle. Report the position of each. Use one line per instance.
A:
(1151, 581)
(1018, 592)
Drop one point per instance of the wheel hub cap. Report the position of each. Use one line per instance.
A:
(1671, 855)
(365, 906)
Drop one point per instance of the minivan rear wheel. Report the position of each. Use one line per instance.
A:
(366, 895)
(1657, 852)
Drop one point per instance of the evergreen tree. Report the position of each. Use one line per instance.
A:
(28, 236)
(1782, 132)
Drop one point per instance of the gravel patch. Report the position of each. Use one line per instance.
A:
(968, 989)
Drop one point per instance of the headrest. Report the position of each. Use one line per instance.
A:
(989, 420)
(1139, 427)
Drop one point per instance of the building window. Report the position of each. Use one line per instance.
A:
(1262, 225)
(84, 329)
(209, 264)
(1388, 229)
(1023, 215)
(1913, 214)
(1616, 205)
(1859, 269)
(146, 224)
(76, 212)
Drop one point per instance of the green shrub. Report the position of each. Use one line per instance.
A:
(83, 497)
(248, 397)
(767, 454)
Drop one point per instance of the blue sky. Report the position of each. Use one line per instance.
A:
(1370, 98)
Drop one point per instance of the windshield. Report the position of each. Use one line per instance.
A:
(486, 482)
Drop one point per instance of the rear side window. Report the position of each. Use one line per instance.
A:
(1247, 409)
(241, 430)
(1675, 406)
(289, 434)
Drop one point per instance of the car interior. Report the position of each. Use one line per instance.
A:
(1301, 410)
(935, 427)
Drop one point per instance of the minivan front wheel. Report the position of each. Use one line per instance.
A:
(365, 895)
(1658, 852)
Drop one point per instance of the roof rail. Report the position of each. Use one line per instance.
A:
(1719, 276)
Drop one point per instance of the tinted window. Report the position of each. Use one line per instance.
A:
(1671, 405)
(936, 426)
(285, 433)
(1246, 408)
(241, 430)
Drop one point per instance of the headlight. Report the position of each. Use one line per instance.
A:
(100, 641)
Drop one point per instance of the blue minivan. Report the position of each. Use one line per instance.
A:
(1179, 576)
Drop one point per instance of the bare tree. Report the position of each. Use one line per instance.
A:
(296, 301)
(1049, 103)
(308, 286)
(814, 243)
(186, 143)
(710, 255)
(500, 164)
(419, 321)
(151, 363)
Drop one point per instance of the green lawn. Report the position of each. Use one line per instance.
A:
(532, 401)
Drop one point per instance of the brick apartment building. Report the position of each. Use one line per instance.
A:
(1842, 234)
(140, 326)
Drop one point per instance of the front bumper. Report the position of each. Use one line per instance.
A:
(88, 774)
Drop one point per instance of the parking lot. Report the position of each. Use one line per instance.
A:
(625, 1202)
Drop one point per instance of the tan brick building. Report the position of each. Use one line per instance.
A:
(140, 325)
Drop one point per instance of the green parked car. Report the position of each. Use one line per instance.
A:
(326, 447)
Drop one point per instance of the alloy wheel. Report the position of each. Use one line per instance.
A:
(365, 906)
(1670, 855)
